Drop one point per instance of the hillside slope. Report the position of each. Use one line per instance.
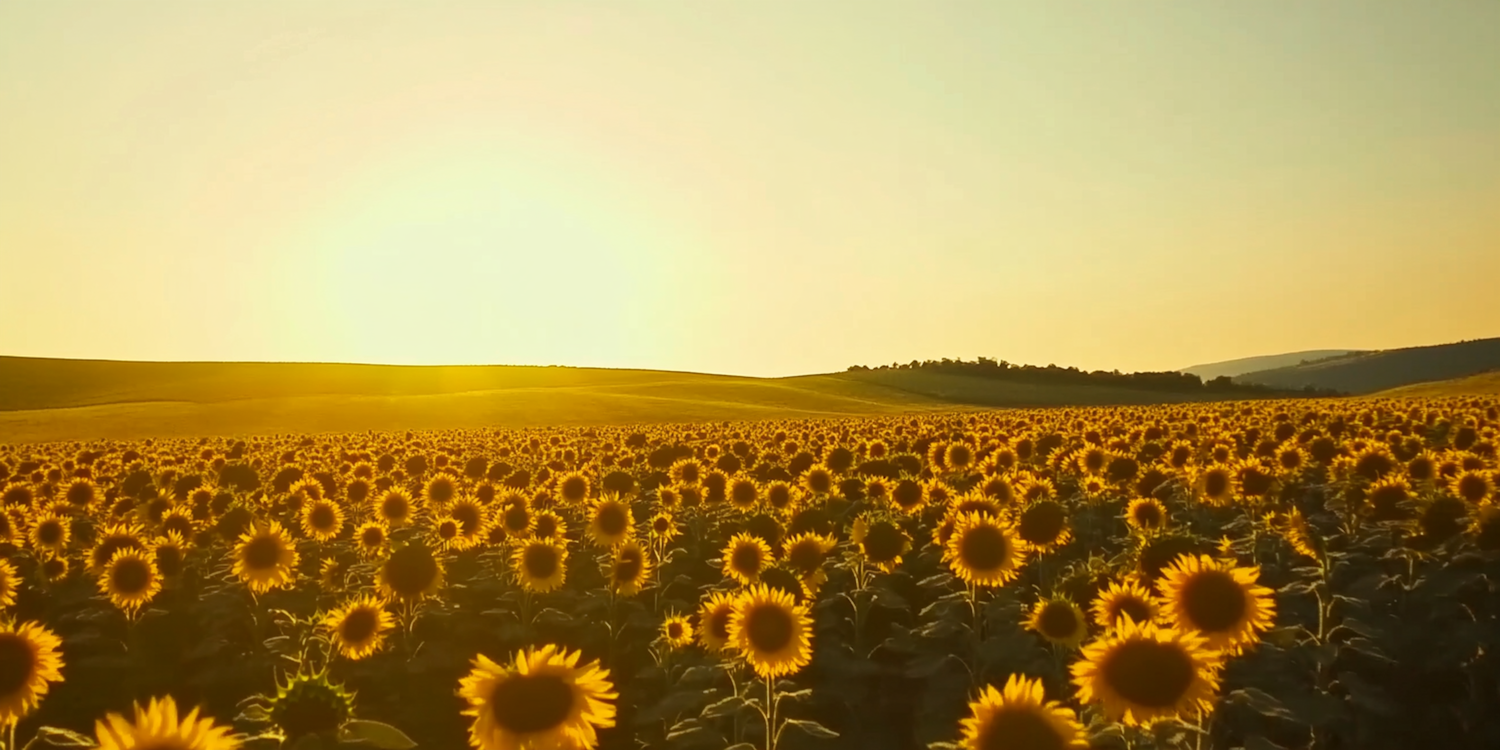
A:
(1234, 367)
(1487, 384)
(49, 399)
(1369, 372)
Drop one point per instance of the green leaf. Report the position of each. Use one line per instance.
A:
(812, 728)
(47, 737)
(725, 707)
(254, 713)
(1262, 703)
(694, 737)
(375, 734)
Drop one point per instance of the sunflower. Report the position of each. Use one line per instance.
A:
(170, 553)
(372, 539)
(264, 558)
(818, 480)
(1125, 600)
(471, 520)
(447, 534)
(780, 497)
(410, 573)
(1042, 526)
(677, 631)
(543, 699)
(9, 582)
(1146, 514)
(112, 539)
(158, 727)
(50, 533)
(1299, 533)
(515, 517)
(908, 496)
(179, 520)
(881, 542)
(745, 557)
(983, 550)
(610, 521)
(1142, 673)
(540, 565)
(1218, 601)
(573, 488)
(744, 493)
(394, 507)
(804, 554)
(713, 621)
(322, 520)
(686, 471)
(358, 628)
(1215, 484)
(54, 569)
(771, 631)
(439, 491)
(629, 569)
(549, 525)
(1059, 621)
(30, 662)
(663, 529)
(1473, 486)
(1020, 717)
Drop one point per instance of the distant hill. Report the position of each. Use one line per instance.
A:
(1369, 372)
(1487, 384)
(1236, 367)
(61, 399)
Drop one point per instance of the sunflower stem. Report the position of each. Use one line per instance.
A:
(770, 713)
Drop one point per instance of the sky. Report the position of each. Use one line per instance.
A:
(757, 188)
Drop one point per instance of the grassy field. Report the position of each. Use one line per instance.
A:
(47, 400)
(1487, 384)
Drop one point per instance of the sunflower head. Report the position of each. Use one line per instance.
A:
(610, 521)
(713, 620)
(264, 558)
(1146, 514)
(1218, 601)
(159, 725)
(677, 631)
(358, 628)
(322, 520)
(30, 661)
(1019, 716)
(310, 704)
(880, 541)
(130, 580)
(542, 699)
(771, 631)
(1059, 621)
(629, 568)
(1042, 525)
(983, 550)
(1141, 673)
(745, 557)
(410, 573)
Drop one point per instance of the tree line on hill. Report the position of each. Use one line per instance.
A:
(1169, 382)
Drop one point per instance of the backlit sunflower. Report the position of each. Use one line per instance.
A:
(471, 520)
(50, 533)
(713, 620)
(549, 525)
(112, 539)
(446, 534)
(1125, 599)
(1042, 526)
(158, 727)
(880, 541)
(322, 520)
(629, 569)
(372, 539)
(573, 488)
(744, 493)
(1473, 486)
(439, 491)
(540, 565)
(410, 573)
(1142, 673)
(983, 550)
(1059, 621)
(745, 557)
(30, 661)
(1215, 484)
(1018, 717)
(677, 631)
(805, 554)
(170, 553)
(1218, 600)
(908, 496)
(394, 507)
(1299, 533)
(516, 518)
(771, 631)
(542, 699)
(358, 628)
(9, 582)
(264, 558)
(663, 529)
(610, 521)
(1146, 514)
(779, 496)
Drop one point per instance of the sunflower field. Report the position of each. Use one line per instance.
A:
(1268, 574)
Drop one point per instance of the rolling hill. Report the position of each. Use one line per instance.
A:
(59, 399)
(1371, 372)
(1486, 384)
(1234, 367)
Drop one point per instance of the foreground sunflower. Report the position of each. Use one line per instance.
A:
(358, 628)
(1142, 673)
(542, 700)
(1218, 600)
(1125, 600)
(1019, 717)
(983, 550)
(264, 558)
(771, 631)
(30, 661)
(158, 727)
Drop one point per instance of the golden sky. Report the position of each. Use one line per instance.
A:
(759, 188)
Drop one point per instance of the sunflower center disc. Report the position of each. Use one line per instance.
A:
(16, 663)
(983, 548)
(262, 552)
(1042, 523)
(907, 493)
(884, 542)
(1058, 622)
(1135, 609)
(1214, 601)
(359, 626)
(628, 568)
(524, 704)
(746, 559)
(612, 521)
(540, 561)
(1020, 729)
(323, 518)
(1215, 484)
(770, 629)
(131, 577)
(410, 571)
(1146, 673)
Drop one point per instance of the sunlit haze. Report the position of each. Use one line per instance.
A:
(757, 188)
